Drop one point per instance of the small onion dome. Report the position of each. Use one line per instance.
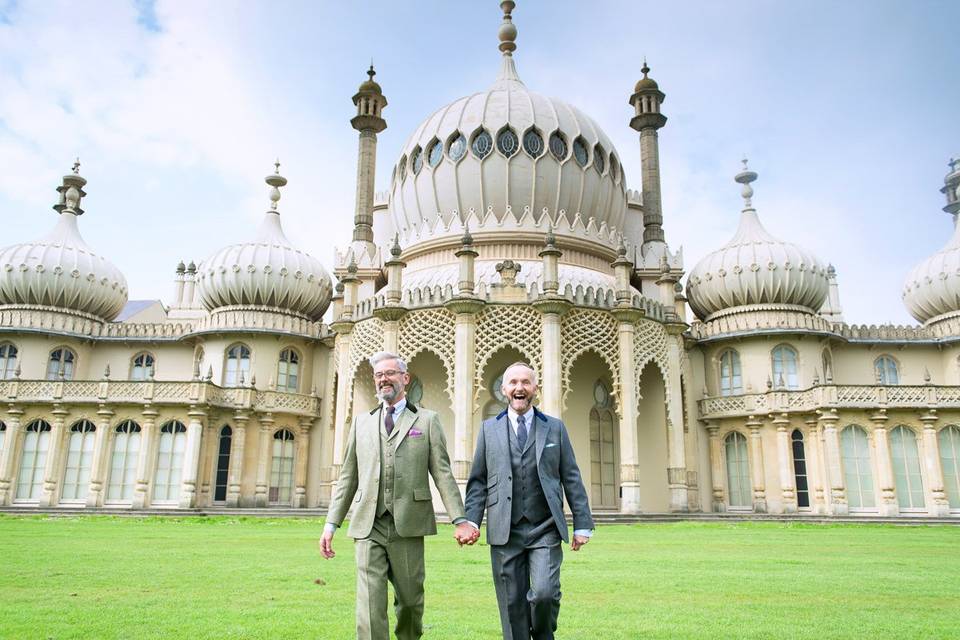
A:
(932, 288)
(267, 271)
(645, 82)
(60, 269)
(755, 268)
(369, 85)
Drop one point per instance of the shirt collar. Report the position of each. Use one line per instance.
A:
(400, 406)
(527, 417)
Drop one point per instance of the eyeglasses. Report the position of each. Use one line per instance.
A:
(389, 373)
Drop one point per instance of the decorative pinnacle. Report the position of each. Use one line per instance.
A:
(621, 248)
(275, 180)
(395, 250)
(76, 166)
(508, 31)
(371, 72)
(745, 177)
(645, 69)
(551, 239)
(954, 164)
(352, 267)
(466, 239)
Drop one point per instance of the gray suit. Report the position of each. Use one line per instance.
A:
(521, 491)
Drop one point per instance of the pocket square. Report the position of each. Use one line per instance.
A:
(550, 444)
(414, 433)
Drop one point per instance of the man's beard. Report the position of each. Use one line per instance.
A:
(387, 392)
(519, 404)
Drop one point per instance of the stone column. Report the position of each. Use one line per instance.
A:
(551, 388)
(816, 476)
(341, 426)
(888, 495)
(100, 462)
(788, 488)
(237, 448)
(9, 454)
(51, 473)
(756, 465)
(209, 452)
(327, 420)
(677, 472)
(629, 409)
(300, 472)
(263, 460)
(716, 468)
(148, 439)
(191, 459)
(833, 466)
(465, 311)
(940, 506)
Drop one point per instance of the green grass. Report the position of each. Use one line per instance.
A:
(105, 577)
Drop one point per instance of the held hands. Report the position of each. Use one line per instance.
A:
(578, 541)
(326, 545)
(465, 533)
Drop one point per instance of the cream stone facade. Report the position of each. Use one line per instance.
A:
(507, 232)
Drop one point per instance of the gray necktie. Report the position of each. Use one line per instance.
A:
(521, 432)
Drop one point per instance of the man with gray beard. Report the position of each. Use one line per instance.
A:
(390, 452)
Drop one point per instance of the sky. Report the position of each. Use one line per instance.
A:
(847, 110)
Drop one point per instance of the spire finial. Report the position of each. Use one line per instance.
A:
(76, 166)
(745, 177)
(275, 180)
(645, 68)
(395, 250)
(466, 239)
(508, 31)
(371, 71)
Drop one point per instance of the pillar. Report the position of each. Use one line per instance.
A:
(833, 465)
(300, 471)
(551, 389)
(9, 454)
(237, 452)
(263, 460)
(788, 489)
(677, 471)
(148, 440)
(888, 495)
(718, 504)
(465, 311)
(816, 476)
(51, 473)
(209, 452)
(756, 465)
(101, 458)
(191, 459)
(341, 428)
(648, 119)
(940, 506)
(628, 409)
(327, 420)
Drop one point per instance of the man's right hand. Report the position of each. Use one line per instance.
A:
(326, 545)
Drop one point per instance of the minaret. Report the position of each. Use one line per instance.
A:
(951, 188)
(370, 102)
(646, 100)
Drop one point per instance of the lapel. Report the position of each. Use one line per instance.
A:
(370, 431)
(540, 432)
(501, 431)
(407, 419)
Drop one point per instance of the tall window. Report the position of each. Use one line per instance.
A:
(3, 436)
(76, 474)
(123, 462)
(906, 468)
(238, 365)
(738, 471)
(731, 382)
(785, 367)
(142, 367)
(8, 361)
(33, 461)
(886, 370)
(603, 466)
(800, 469)
(827, 360)
(949, 441)
(223, 464)
(857, 473)
(288, 369)
(281, 471)
(173, 441)
(61, 359)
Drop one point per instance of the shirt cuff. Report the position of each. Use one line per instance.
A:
(473, 524)
(459, 520)
(586, 533)
(329, 527)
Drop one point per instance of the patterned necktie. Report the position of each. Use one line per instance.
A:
(388, 421)
(521, 432)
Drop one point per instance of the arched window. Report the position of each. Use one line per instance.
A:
(826, 360)
(731, 382)
(533, 143)
(857, 473)
(123, 462)
(416, 160)
(173, 442)
(558, 146)
(482, 144)
(141, 367)
(76, 474)
(281, 471)
(238, 365)
(599, 159)
(223, 464)
(784, 359)
(61, 360)
(603, 465)
(3, 436)
(435, 154)
(33, 461)
(906, 468)
(507, 142)
(580, 152)
(288, 369)
(800, 469)
(949, 441)
(738, 471)
(8, 361)
(886, 370)
(458, 146)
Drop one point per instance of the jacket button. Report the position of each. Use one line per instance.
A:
(508, 498)
(510, 478)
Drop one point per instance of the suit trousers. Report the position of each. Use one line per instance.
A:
(383, 556)
(526, 576)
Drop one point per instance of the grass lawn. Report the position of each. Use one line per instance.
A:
(226, 577)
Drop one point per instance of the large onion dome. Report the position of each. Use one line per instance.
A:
(500, 152)
(60, 270)
(755, 268)
(266, 272)
(932, 288)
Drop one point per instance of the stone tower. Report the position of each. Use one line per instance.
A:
(646, 100)
(369, 121)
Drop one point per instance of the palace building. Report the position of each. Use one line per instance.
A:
(508, 233)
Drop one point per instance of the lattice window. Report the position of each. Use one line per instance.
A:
(582, 331)
(429, 330)
(501, 326)
(367, 340)
(650, 343)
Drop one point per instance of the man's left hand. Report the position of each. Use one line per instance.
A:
(466, 533)
(578, 541)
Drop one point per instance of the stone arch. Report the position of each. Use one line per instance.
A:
(583, 331)
(431, 371)
(494, 365)
(500, 326)
(585, 418)
(652, 438)
(429, 330)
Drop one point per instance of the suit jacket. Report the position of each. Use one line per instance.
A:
(416, 456)
(491, 478)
